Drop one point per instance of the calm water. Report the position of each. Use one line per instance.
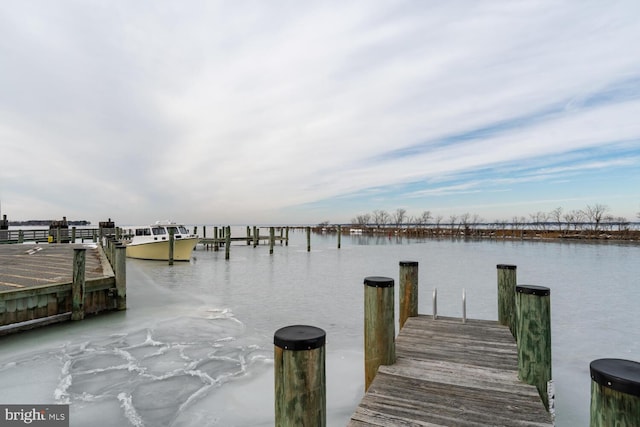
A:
(195, 346)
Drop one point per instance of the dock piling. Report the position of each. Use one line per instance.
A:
(379, 329)
(408, 290)
(533, 319)
(300, 378)
(227, 242)
(272, 239)
(120, 272)
(615, 392)
(339, 236)
(172, 243)
(78, 284)
(308, 239)
(507, 296)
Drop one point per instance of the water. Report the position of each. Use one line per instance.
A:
(195, 347)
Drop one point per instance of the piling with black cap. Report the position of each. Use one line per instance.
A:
(507, 296)
(533, 319)
(408, 290)
(300, 380)
(615, 392)
(379, 330)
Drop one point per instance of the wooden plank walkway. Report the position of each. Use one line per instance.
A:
(28, 265)
(451, 374)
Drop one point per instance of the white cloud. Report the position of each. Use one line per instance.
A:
(236, 110)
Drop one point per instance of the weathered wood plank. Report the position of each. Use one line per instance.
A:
(449, 373)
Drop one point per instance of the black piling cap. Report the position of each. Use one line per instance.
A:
(378, 282)
(299, 337)
(617, 374)
(506, 266)
(408, 263)
(540, 291)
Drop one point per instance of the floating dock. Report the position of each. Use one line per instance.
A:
(450, 373)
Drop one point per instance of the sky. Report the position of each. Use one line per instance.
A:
(290, 112)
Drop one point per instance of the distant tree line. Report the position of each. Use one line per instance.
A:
(593, 218)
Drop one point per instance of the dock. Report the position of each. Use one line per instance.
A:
(49, 283)
(450, 373)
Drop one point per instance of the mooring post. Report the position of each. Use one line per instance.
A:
(287, 236)
(172, 242)
(73, 234)
(615, 393)
(94, 236)
(281, 236)
(308, 239)
(379, 329)
(533, 319)
(215, 239)
(227, 242)
(256, 236)
(408, 290)
(300, 378)
(507, 296)
(78, 284)
(248, 235)
(272, 239)
(20, 236)
(435, 303)
(339, 236)
(120, 271)
(464, 305)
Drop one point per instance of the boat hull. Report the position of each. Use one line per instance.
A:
(159, 250)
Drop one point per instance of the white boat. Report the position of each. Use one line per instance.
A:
(152, 242)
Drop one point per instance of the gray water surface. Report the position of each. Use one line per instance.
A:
(195, 347)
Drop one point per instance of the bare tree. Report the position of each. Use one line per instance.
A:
(574, 217)
(556, 216)
(438, 220)
(380, 218)
(595, 214)
(400, 216)
(452, 220)
(425, 218)
(538, 221)
(464, 220)
(361, 219)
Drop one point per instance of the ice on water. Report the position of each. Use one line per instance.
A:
(145, 377)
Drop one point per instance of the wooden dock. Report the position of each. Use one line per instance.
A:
(36, 284)
(449, 373)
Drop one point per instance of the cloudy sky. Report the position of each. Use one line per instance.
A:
(299, 112)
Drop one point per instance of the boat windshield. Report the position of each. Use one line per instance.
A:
(183, 229)
(158, 230)
(143, 232)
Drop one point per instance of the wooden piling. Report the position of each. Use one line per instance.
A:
(248, 235)
(408, 290)
(120, 271)
(300, 378)
(287, 236)
(615, 393)
(308, 239)
(507, 296)
(533, 320)
(215, 239)
(379, 329)
(172, 243)
(73, 234)
(272, 239)
(339, 236)
(78, 284)
(227, 242)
